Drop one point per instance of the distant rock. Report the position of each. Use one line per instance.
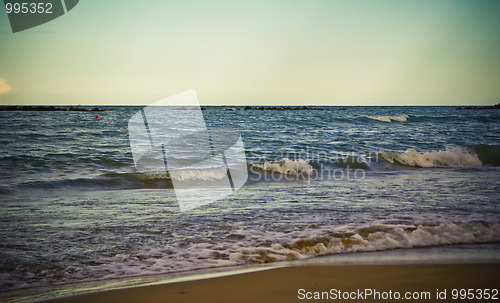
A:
(77, 109)
(48, 109)
(496, 106)
(277, 108)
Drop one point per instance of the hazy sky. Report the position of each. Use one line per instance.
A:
(350, 52)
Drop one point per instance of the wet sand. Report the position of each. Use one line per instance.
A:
(285, 284)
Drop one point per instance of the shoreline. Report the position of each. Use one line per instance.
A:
(299, 283)
(439, 255)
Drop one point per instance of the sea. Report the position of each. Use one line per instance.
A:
(336, 182)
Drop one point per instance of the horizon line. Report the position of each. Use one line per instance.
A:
(233, 105)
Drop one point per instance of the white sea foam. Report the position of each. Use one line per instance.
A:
(200, 174)
(261, 246)
(287, 167)
(450, 157)
(402, 118)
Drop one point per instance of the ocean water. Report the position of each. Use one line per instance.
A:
(73, 207)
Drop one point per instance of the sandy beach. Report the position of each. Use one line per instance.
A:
(250, 151)
(305, 283)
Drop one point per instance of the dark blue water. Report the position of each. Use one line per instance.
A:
(74, 208)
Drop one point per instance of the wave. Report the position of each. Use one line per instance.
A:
(286, 167)
(112, 181)
(256, 246)
(200, 174)
(387, 236)
(455, 157)
(116, 181)
(450, 157)
(402, 118)
(266, 246)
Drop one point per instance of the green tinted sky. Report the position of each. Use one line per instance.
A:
(354, 52)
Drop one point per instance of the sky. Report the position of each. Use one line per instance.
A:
(331, 52)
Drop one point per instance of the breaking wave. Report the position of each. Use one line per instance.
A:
(451, 157)
(287, 167)
(200, 174)
(455, 157)
(257, 247)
